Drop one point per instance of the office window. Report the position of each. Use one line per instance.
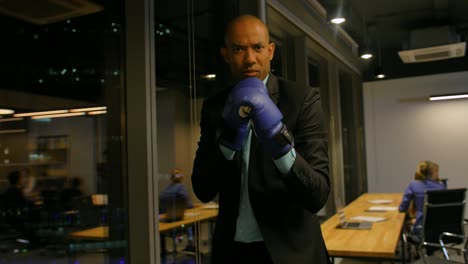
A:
(61, 177)
(352, 136)
(279, 59)
(189, 68)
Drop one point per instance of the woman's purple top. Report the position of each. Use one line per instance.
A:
(415, 192)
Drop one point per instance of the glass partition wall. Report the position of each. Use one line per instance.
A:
(189, 68)
(352, 133)
(61, 168)
(309, 61)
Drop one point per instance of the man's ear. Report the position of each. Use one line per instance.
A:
(271, 49)
(223, 52)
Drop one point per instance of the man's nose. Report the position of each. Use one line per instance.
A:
(250, 56)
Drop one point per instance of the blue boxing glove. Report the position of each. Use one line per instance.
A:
(250, 99)
(270, 129)
(236, 112)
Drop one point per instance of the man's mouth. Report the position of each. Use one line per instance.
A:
(250, 73)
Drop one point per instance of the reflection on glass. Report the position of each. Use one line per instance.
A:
(188, 68)
(278, 59)
(60, 175)
(350, 124)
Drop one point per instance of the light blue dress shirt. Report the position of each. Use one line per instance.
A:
(247, 229)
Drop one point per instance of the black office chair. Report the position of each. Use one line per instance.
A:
(443, 224)
(173, 207)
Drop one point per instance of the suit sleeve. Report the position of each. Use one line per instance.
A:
(208, 161)
(308, 179)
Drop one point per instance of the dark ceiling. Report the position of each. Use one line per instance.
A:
(387, 25)
(66, 58)
(77, 58)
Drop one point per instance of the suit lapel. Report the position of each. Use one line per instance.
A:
(273, 88)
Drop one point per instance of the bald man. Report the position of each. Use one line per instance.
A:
(263, 149)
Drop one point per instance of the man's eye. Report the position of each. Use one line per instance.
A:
(237, 49)
(258, 47)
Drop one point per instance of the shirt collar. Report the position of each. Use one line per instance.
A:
(266, 79)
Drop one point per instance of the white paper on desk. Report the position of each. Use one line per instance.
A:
(382, 208)
(380, 201)
(210, 206)
(372, 219)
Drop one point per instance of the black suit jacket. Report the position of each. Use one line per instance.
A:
(285, 206)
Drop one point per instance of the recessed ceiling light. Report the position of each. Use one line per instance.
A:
(366, 56)
(338, 20)
(210, 76)
(381, 76)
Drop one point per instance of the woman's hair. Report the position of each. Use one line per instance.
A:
(425, 170)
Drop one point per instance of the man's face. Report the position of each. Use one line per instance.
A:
(248, 51)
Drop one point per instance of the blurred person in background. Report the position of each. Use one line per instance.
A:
(426, 177)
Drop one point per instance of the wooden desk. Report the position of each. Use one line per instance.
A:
(96, 233)
(378, 242)
(192, 216)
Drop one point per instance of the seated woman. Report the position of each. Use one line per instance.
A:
(175, 190)
(425, 178)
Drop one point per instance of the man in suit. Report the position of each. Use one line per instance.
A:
(263, 149)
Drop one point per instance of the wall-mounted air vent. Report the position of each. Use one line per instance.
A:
(443, 52)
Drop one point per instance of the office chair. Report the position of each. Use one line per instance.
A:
(173, 207)
(443, 223)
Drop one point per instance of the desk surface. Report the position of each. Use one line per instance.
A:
(192, 216)
(380, 241)
(100, 232)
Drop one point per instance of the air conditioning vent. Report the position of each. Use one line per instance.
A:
(432, 56)
(41, 12)
(443, 52)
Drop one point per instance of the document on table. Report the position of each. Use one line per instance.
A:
(382, 208)
(210, 206)
(372, 219)
(380, 201)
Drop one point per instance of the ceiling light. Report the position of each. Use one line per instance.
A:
(365, 51)
(380, 76)
(379, 73)
(338, 20)
(97, 108)
(447, 97)
(58, 115)
(5, 111)
(210, 76)
(41, 113)
(97, 112)
(366, 56)
(11, 119)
